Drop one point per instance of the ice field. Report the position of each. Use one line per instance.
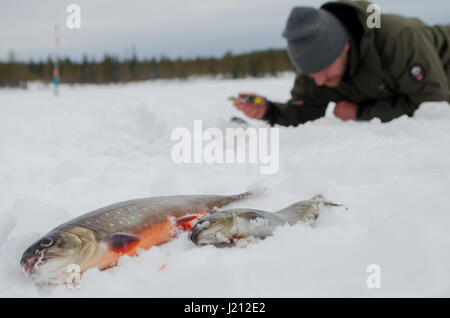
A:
(95, 145)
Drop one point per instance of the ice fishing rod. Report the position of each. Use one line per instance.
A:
(248, 99)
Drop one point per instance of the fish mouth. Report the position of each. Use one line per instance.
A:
(204, 231)
(208, 236)
(198, 228)
(31, 263)
(194, 234)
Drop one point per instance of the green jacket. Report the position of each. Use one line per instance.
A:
(391, 70)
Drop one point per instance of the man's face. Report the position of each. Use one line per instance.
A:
(332, 75)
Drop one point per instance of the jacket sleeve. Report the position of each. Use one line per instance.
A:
(306, 103)
(419, 76)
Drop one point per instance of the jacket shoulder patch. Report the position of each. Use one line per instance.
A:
(417, 73)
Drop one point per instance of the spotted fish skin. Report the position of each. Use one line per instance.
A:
(134, 216)
(99, 238)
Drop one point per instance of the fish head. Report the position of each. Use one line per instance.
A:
(48, 259)
(213, 230)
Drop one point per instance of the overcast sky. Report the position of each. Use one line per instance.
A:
(175, 28)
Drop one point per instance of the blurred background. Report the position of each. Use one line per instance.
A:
(135, 40)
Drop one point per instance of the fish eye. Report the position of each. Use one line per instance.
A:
(46, 242)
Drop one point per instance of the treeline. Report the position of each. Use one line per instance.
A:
(113, 70)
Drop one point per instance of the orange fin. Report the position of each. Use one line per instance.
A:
(184, 222)
(121, 242)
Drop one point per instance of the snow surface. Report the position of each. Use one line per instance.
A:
(96, 145)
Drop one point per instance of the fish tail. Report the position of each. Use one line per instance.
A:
(320, 200)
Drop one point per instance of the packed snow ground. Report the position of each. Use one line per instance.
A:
(96, 145)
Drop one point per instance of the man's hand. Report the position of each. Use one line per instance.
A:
(251, 109)
(346, 110)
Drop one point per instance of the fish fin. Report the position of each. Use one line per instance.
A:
(321, 200)
(184, 222)
(121, 242)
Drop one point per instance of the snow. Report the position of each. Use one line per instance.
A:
(95, 145)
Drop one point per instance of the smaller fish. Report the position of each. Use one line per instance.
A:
(234, 226)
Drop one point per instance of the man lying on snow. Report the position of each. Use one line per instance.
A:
(368, 72)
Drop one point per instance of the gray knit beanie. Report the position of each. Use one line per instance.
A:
(315, 38)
